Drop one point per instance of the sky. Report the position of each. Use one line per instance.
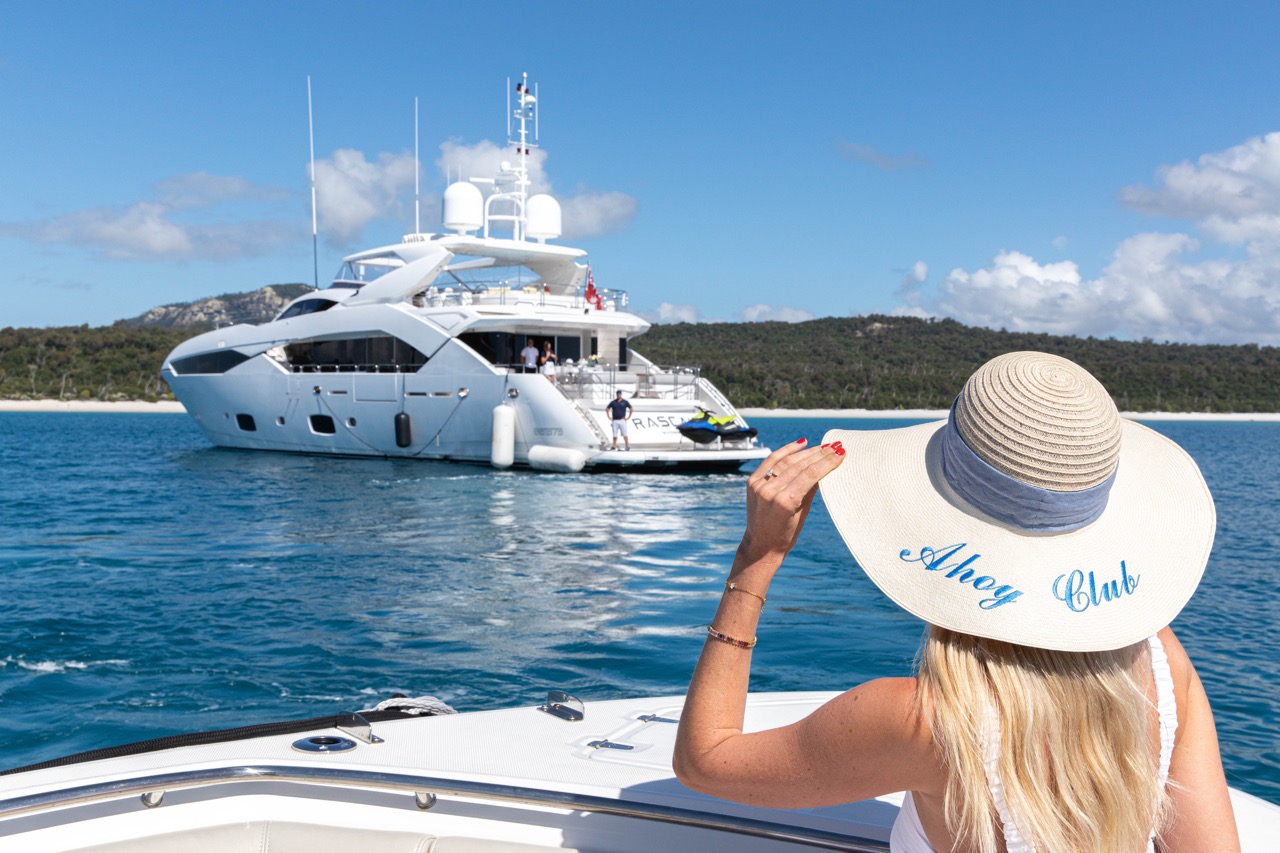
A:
(1086, 168)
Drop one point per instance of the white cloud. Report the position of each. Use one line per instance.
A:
(1165, 286)
(157, 230)
(351, 192)
(590, 214)
(761, 312)
(671, 312)
(587, 213)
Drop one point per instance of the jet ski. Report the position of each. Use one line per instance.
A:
(704, 428)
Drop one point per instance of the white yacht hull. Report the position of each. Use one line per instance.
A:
(443, 410)
(484, 781)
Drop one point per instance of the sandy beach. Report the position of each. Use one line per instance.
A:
(172, 406)
(939, 414)
(165, 407)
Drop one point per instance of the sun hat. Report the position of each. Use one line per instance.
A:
(1034, 514)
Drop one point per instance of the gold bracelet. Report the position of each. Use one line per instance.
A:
(733, 641)
(730, 586)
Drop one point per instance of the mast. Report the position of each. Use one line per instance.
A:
(417, 187)
(315, 249)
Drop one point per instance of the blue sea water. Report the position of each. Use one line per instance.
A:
(151, 584)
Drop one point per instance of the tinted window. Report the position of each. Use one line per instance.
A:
(218, 361)
(306, 306)
(245, 422)
(377, 354)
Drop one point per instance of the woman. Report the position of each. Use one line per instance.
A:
(1048, 544)
(547, 361)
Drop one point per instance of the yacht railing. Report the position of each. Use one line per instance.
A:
(425, 789)
(587, 381)
(529, 294)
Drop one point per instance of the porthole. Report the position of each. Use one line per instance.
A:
(280, 420)
(351, 422)
(245, 422)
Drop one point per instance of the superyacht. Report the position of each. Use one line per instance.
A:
(421, 350)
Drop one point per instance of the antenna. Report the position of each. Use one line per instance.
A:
(536, 102)
(315, 250)
(508, 108)
(417, 188)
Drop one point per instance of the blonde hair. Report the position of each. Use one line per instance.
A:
(1076, 759)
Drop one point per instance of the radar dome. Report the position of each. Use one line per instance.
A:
(542, 216)
(463, 207)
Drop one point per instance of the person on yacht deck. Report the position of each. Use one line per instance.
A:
(547, 361)
(529, 357)
(1047, 544)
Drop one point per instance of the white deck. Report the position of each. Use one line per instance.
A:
(515, 775)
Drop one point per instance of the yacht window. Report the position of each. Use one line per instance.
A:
(361, 272)
(323, 425)
(306, 306)
(245, 422)
(372, 354)
(503, 348)
(218, 361)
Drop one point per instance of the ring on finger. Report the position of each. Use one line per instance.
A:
(770, 474)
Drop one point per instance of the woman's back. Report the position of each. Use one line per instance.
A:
(923, 825)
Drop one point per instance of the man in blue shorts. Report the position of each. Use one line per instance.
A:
(619, 410)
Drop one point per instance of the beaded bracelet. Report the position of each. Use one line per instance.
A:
(730, 586)
(732, 641)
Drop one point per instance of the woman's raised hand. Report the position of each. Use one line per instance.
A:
(779, 495)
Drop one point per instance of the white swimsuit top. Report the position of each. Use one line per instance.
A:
(908, 835)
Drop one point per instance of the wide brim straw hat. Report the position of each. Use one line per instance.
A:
(1077, 530)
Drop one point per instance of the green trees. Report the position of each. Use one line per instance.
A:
(882, 362)
(83, 363)
(873, 362)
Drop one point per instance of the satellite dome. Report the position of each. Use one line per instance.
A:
(542, 216)
(463, 207)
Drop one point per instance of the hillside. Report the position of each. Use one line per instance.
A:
(122, 361)
(873, 362)
(880, 362)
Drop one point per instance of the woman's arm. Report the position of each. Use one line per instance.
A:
(1203, 818)
(865, 742)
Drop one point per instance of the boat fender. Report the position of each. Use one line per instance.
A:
(502, 451)
(404, 430)
(560, 459)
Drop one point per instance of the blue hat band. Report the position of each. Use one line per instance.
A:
(1012, 501)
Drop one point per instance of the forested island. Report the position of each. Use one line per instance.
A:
(873, 362)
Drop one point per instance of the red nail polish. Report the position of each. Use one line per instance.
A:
(801, 440)
(840, 451)
(826, 445)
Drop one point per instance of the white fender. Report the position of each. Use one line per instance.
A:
(560, 459)
(502, 451)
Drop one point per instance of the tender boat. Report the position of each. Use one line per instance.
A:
(415, 350)
(559, 776)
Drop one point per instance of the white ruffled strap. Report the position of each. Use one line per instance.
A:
(991, 737)
(1167, 706)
